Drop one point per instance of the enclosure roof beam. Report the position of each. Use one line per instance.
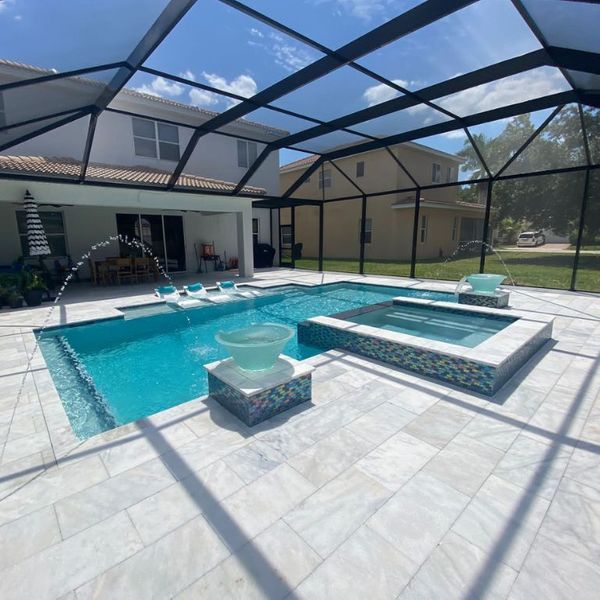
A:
(460, 83)
(415, 18)
(471, 120)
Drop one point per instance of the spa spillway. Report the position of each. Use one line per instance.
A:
(256, 348)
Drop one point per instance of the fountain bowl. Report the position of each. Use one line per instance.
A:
(256, 348)
(485, 283)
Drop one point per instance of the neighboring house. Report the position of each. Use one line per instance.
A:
(133, 150)
(444, 221)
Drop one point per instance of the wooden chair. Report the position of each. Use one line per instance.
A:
(141, 267)
(124, 270)
(105, 271)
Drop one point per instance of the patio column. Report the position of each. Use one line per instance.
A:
(244, 234)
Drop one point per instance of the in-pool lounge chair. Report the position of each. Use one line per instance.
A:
(172, 297)
(229, 287)
(198, 292)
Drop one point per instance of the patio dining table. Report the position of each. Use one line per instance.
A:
(116, 270)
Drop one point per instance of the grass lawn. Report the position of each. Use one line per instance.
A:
(552, 270)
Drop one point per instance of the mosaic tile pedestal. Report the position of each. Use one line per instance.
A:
(253, 396)
(495, 300)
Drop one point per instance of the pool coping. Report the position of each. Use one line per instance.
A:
(493, 352)
(483, 369)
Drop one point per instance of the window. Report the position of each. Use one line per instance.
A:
(324, 179)
(454, 228)
(449, 175)
(424, 225)
(286, 235)
(360, 168)
(368, 230)
(436, 173)
(247, 153)
(155, 140)
(255, 231)
(54, 227)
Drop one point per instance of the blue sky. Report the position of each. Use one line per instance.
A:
(228, 50)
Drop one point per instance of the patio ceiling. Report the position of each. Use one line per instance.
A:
(332, 78)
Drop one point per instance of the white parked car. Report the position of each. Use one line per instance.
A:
(531, 239)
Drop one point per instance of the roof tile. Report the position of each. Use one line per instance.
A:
(68, 167)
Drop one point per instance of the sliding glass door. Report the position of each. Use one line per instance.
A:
(162, 235)
(174, 244)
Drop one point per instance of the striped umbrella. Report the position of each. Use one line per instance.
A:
(36, 236)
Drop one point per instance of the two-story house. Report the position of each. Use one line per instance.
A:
(140, 151)
(444, 220)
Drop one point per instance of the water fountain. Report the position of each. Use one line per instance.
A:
(256, 348)
(85, 378)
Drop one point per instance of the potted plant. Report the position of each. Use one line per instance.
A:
(33, 288)
(14, 299)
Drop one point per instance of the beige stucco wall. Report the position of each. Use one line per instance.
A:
(381, 173)
(392, 228)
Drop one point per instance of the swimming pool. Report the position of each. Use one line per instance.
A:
(115, 371)
(450, 326)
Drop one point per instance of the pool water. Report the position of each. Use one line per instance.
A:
(450, 326)
(116, 371)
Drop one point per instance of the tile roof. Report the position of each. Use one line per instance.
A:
(297, 164)
(439, 202)
(68, 167)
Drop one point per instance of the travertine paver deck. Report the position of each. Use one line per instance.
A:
(387, 486)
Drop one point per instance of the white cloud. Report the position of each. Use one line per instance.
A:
(242, 85)
(457, 134)
(377, 94)
(188, 75)
(287, 55)
(159, 86)
(511, 90)
(202, 98)
(6, 4)
(365, 10)
(290, 57)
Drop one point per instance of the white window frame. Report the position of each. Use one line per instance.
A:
(454, 228)
(324, 178)
(256, 234)
(449, 172)
(436, 173)
(247, 153)
(360, 168)
(424, 228)
(156, 139)
(368, 230)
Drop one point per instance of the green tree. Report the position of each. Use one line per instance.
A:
(545, 201)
